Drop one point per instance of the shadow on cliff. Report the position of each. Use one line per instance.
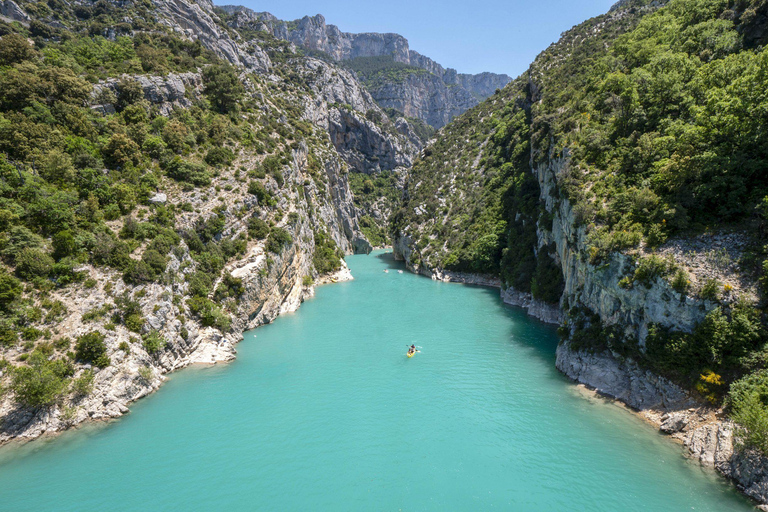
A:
(388, 258)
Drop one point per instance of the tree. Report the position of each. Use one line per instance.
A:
(10, 290)
(32, 263)
(120, 151)
(15, 48)
(223, 87)
(42, 382)
(129, 91)
(91, 348)
(153, 342)
(258, 228)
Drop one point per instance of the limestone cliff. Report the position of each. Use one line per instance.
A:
(436, 99)
(488, 197)
(310, 120)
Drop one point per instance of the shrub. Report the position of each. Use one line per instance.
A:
(129, 92)
(220, 157)
(90, 348)
(153, 342)
(15, 48)
(145, 374)
(83, 385)
(262, 194)
(8, 334)
(175, 135)
(229, 287)
(209, 313)
(680, 282)
(10, 290)
(125, 347)
(710, 290)
(651, 268)
(747, 401)
(33, 263)
(181, 170)
(138, 272)
(156, 261)
(121, 151)
(41, 382)
(222, 87)
(199, 284)
(277, 239)
(257, 228)
(327, 256)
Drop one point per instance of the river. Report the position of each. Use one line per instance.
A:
(323, 411)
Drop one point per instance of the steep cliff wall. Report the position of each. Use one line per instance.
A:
(253, 204)
(435, 99)
(505, 192)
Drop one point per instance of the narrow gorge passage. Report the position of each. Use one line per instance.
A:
(322, 410)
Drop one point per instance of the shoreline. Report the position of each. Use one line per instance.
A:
(699, 428)
(207, 354)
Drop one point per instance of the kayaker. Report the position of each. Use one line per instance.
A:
(412, 349)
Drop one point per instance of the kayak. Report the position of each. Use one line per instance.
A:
(411, 354)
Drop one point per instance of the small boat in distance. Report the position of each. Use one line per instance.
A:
(386, 271)
(399, 271)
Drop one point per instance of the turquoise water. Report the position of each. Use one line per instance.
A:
(323, 411)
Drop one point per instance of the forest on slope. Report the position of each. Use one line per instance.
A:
(653, 117)
(159, 195)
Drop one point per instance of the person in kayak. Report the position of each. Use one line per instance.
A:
(412, 349)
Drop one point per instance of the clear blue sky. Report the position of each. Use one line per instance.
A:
(502, 36)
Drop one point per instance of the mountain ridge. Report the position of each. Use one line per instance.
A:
(314, 34)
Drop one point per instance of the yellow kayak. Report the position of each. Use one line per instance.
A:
(411, 354)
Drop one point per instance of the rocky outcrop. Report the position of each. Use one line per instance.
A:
(366, 147)
(707, 437)
(359, 130)
(175, 90)
(11, 10)
(597, 286)
(435, 98)
(196, 20)
(426, 97)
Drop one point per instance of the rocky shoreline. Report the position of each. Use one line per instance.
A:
(113, 401)
(703, 430)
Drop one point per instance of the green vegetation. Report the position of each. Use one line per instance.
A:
(380, 190)
(41, 382)
(327, 256)
(90, 348)
(153, 342)
(83, 385)
(209, 313)
(748, 403)
(278, 238)
(376, 72)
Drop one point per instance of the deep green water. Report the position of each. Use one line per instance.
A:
(323, 411)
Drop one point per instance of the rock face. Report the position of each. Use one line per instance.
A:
(196, 20)
(426, 97)
(435, 98)
(707, 434)
(349, 131)
(166, 92)
(12, 11)
(707, 437)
